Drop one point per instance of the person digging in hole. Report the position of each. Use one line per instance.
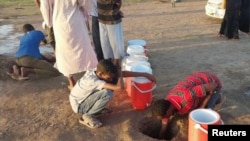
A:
(198, 90)
(94, 90)
(28, 58)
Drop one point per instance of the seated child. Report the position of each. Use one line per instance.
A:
(95, 89)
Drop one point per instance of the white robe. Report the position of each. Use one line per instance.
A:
(74, 52)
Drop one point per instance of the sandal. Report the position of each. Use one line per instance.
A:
(104, 111)
(90, 121)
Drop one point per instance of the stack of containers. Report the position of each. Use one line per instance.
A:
(140, 43)
(139, 89)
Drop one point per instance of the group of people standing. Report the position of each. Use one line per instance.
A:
(74, 54)
(237, 17)
(74, 51)
(66, 23)
(67, 27)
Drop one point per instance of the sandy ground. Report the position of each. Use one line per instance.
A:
(180, 40)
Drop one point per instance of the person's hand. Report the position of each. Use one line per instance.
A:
(151, 78)
(121, 13)
(43, 42)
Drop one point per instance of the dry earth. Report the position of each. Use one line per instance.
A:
(180, 40)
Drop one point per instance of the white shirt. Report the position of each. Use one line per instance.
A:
(84, 87)
(91, 7)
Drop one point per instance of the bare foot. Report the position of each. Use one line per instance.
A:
(26, 71)
(16, 70)
(234, 38)
(23, 72)
(219, 34)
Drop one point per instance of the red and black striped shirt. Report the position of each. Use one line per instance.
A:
(189, 93)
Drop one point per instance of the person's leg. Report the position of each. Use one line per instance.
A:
(17, 73)
(105, 44)
(51, 37)
(115, 34)
(16, 70)
(72, 82)
(223, 26)
(92, 105)
(215, 99)
(96, 38)
(41, 67)
(95, 102)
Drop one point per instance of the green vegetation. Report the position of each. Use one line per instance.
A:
(17, 3)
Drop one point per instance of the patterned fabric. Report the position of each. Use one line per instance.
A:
(109, 11)
(190, 92)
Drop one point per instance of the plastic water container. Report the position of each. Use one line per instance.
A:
(198, 122)
(129, 67)
(139, 42)
(128, 59)
(141, 88)
(135, 50)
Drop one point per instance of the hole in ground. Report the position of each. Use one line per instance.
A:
(176, 130)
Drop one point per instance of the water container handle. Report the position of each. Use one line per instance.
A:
(198, 126)
(142, 91)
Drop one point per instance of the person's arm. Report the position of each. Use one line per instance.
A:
(119, 85)
(223, 4)
(139, 74)
(210, 88)
(37, 2)
(119, 3)
(164, 124)
(43, 42)
(116, 87)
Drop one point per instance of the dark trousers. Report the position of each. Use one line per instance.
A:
(96, 38)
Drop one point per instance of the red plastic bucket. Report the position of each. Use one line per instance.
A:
(128, 80)
(141, 88)
(141, 96)
(140, 43)
(198, 122)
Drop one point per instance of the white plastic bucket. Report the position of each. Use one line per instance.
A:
(135, 50)
(130, 65)
(128, 59)
(137, 42)
(136, 58)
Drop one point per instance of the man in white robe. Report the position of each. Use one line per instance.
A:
(74, 52)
